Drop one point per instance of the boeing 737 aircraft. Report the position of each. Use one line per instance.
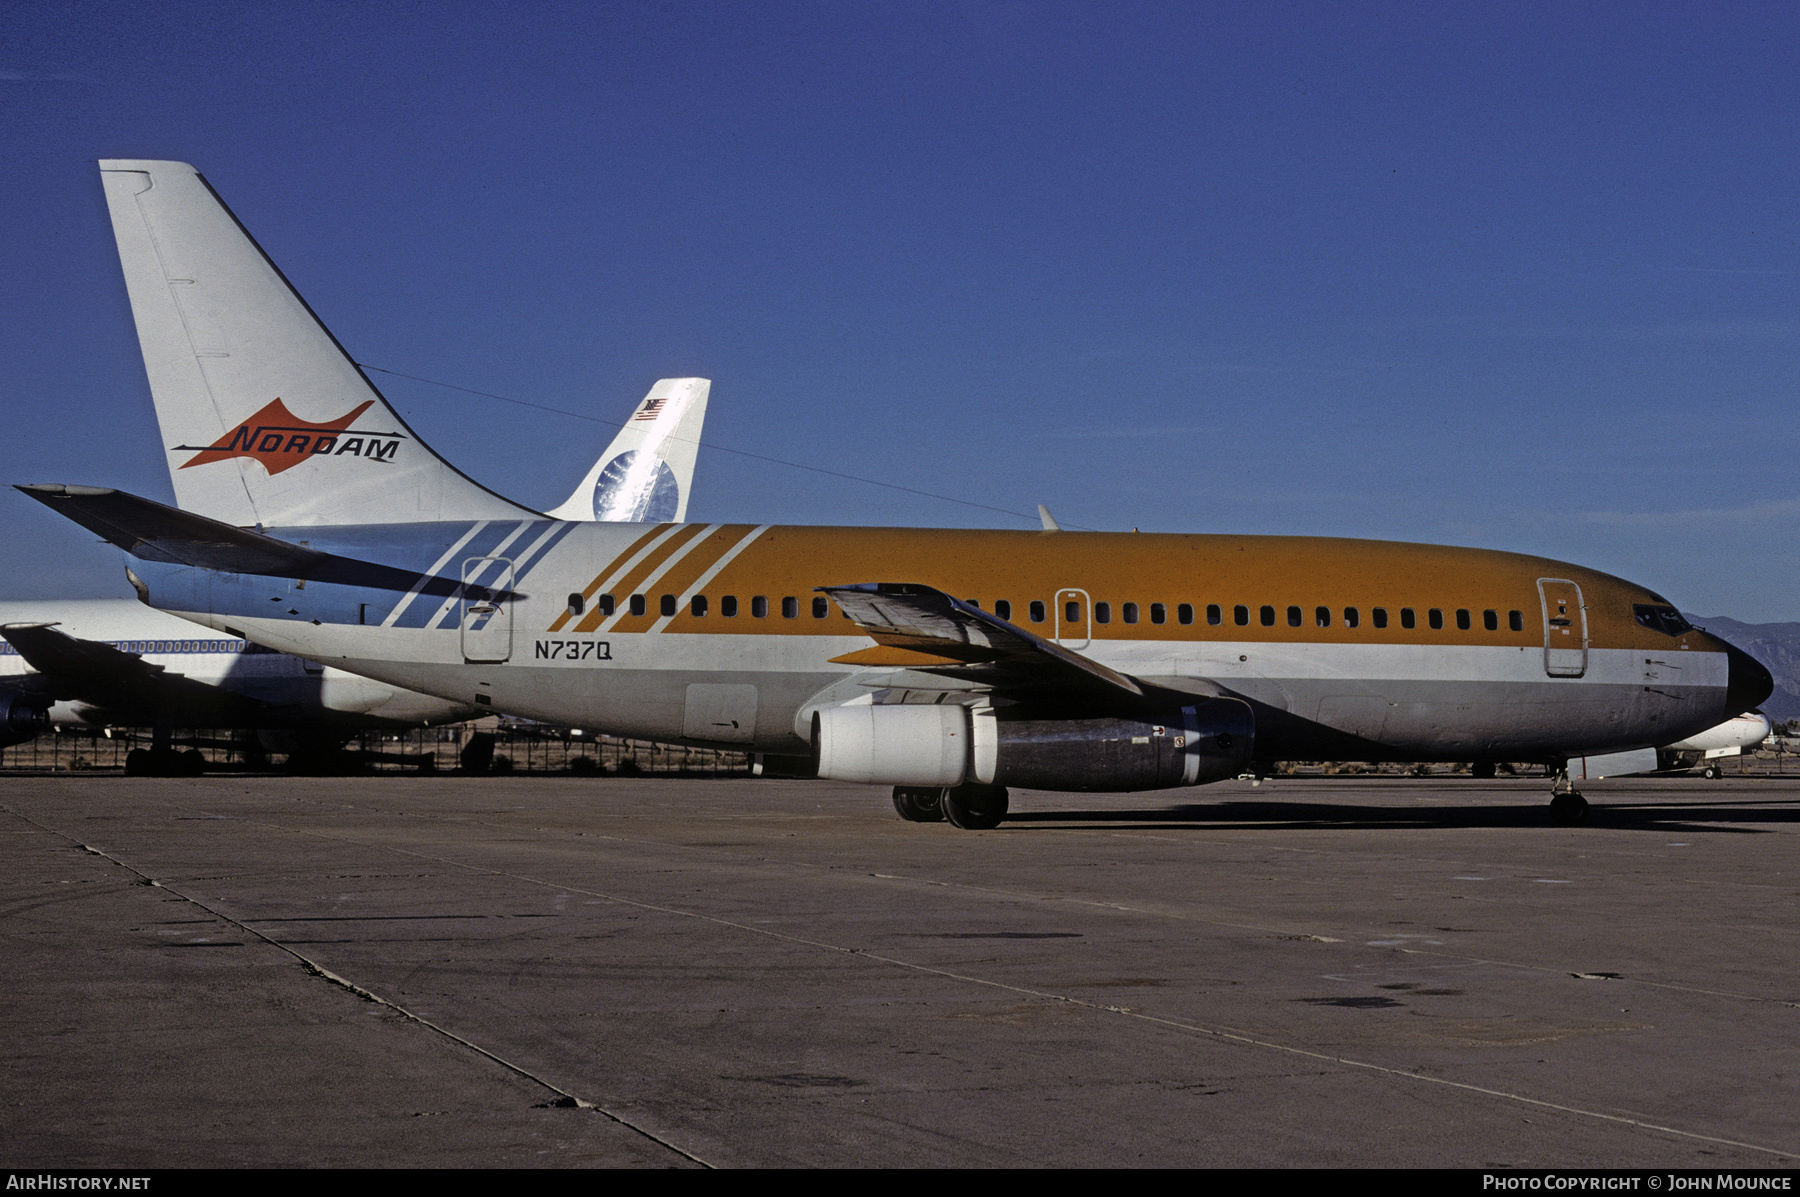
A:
(949, 665)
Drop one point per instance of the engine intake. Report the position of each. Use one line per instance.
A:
(22, 717)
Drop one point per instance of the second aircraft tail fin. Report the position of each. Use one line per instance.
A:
(645, 475)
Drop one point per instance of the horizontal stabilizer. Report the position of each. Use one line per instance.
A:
(156, 532)
(978, 646)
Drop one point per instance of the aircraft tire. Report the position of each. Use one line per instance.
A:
(1570, 808)
(191, 763)
(975, 807)
(919, 804)
(137, 762)
(1711, 773)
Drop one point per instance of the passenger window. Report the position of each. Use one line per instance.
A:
(697, 604)
(1515, 621)
(1158, 613)
(1490, 620)
(821, 608)
(638, 606)
(668, 604)
(1378, 617)
(1213, 615)
(1406, 617)
(1130, 612)
(1294, 617)
(728, 606)
(1184, 613)
(1102, 612)
(577, 604)
(1037, 611)
(790, 608)
(1268, 616)
(607, 606)
(1002, 608)
(1240, 615)
(759, 607)
(1351, 617)
(1071, 612)
(1322, 616)
(1435, 617)
(1462, 619)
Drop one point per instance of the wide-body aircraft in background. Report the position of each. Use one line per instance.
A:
(948, 664)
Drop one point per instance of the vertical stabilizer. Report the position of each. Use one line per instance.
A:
(645, 475)
(264, 417)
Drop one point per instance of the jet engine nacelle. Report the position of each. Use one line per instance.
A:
(947, 745)
(22, 717)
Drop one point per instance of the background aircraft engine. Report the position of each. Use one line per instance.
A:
(1190, 746)
(22, 717)
(946, 745)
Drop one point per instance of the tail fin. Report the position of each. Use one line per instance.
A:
(646, 473)
(265, 418)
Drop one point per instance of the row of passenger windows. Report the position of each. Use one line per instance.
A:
(699, 604)
(1038, 612)
(1266, 615)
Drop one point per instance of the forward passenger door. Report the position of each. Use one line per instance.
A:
(1565, 627)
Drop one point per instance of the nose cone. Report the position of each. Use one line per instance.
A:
(1749, 683)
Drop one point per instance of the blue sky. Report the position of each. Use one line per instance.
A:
(1521, 276)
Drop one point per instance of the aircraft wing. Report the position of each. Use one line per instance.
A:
(107, 677)
(157, 532)
(918, 627)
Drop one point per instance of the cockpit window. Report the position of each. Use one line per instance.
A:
(1661, 619)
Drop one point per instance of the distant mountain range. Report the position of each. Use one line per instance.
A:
(1776, 645)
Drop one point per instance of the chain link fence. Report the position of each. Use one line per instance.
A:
(485, 747)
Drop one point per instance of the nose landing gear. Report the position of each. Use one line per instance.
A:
(1567, 806)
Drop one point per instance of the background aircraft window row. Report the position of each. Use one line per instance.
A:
(168, 646)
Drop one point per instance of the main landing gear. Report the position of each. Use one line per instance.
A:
(1566, 803)
(971, 807)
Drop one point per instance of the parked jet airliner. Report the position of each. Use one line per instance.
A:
(950, 665)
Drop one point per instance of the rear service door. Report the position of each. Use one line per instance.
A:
(1565, 628)
(487, 622)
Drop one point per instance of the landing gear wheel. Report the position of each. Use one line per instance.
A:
(192, 763)
(1482, 769)
(1569, 808)
(137, 763)
(1711, 773)
(975, 807)
(919, 804)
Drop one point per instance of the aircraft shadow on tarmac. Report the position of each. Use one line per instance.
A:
(1725, 814)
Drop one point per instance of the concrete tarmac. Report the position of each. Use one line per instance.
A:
(562, 972)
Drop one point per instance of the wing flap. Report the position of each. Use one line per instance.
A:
(905, 617)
